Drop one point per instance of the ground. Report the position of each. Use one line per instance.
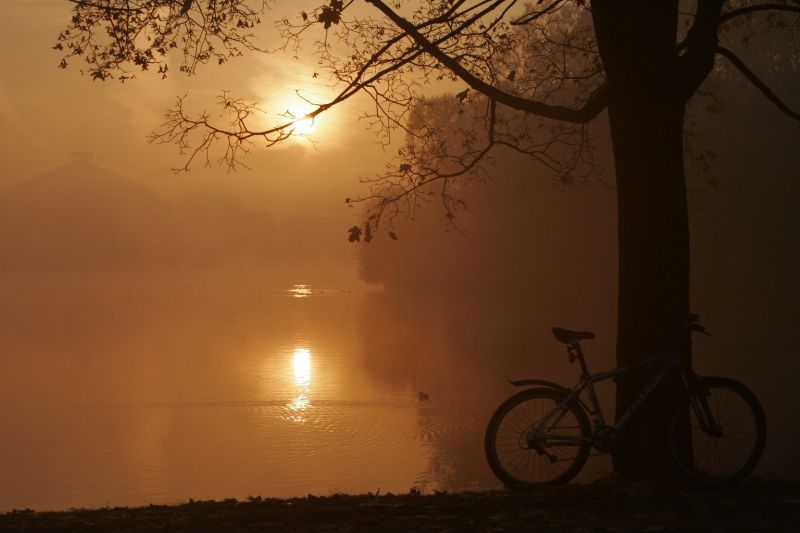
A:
(772, 507)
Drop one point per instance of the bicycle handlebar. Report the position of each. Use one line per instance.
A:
(694, 326)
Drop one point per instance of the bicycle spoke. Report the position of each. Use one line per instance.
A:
(731, 450)
(529, 439)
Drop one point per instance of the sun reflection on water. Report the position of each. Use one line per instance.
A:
(300, 291)
(301, 364)
(302, 367)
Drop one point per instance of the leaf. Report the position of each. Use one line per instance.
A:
(331, 14)
(462, 95)
(354, 234)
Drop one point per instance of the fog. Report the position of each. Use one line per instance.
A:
(81, 219)
(149, 320)
(473, 305)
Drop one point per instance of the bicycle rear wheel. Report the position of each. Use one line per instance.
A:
(530, 441)
(727, 449)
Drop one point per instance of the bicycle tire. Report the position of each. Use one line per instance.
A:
(730, 456)
(517, 464)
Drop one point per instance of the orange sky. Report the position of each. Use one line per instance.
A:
(46, 112)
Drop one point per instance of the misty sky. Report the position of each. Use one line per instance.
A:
(456, 309)
(47, 112)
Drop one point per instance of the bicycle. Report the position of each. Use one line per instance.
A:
(543, 435)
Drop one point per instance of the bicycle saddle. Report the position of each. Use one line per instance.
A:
(568, 336)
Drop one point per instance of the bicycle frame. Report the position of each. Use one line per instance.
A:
(669, 363)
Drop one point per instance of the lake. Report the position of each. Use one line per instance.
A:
(136, 391)
(129, 393)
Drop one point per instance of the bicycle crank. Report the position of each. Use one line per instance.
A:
(604, 439)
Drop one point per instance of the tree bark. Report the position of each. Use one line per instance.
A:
(646, 111)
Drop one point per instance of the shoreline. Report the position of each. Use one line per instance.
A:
(771, 506)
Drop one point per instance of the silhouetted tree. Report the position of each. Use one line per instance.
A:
(541, 73)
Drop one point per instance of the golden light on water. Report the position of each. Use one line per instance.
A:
(300, 291)
(299, 403)
(301, 365)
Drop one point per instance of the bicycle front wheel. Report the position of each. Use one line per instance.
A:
(727, 433)
(531, 440)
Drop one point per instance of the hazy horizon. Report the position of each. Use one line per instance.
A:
(212, 334)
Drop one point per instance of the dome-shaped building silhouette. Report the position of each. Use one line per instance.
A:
(80, 217)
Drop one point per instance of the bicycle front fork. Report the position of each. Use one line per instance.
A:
(698, 402)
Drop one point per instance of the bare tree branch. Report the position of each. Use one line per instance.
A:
(696, 52)
(756, 8)
(533, 15)
(535, 79)
(115, 37)
(593, 106)
(760, 85)
(106, 7)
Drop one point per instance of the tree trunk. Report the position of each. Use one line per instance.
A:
(646, 110)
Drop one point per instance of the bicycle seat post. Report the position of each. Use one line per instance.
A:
(576, 353)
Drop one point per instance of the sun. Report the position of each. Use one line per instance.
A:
(297, 112)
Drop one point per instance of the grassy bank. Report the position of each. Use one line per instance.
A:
(599, 507)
